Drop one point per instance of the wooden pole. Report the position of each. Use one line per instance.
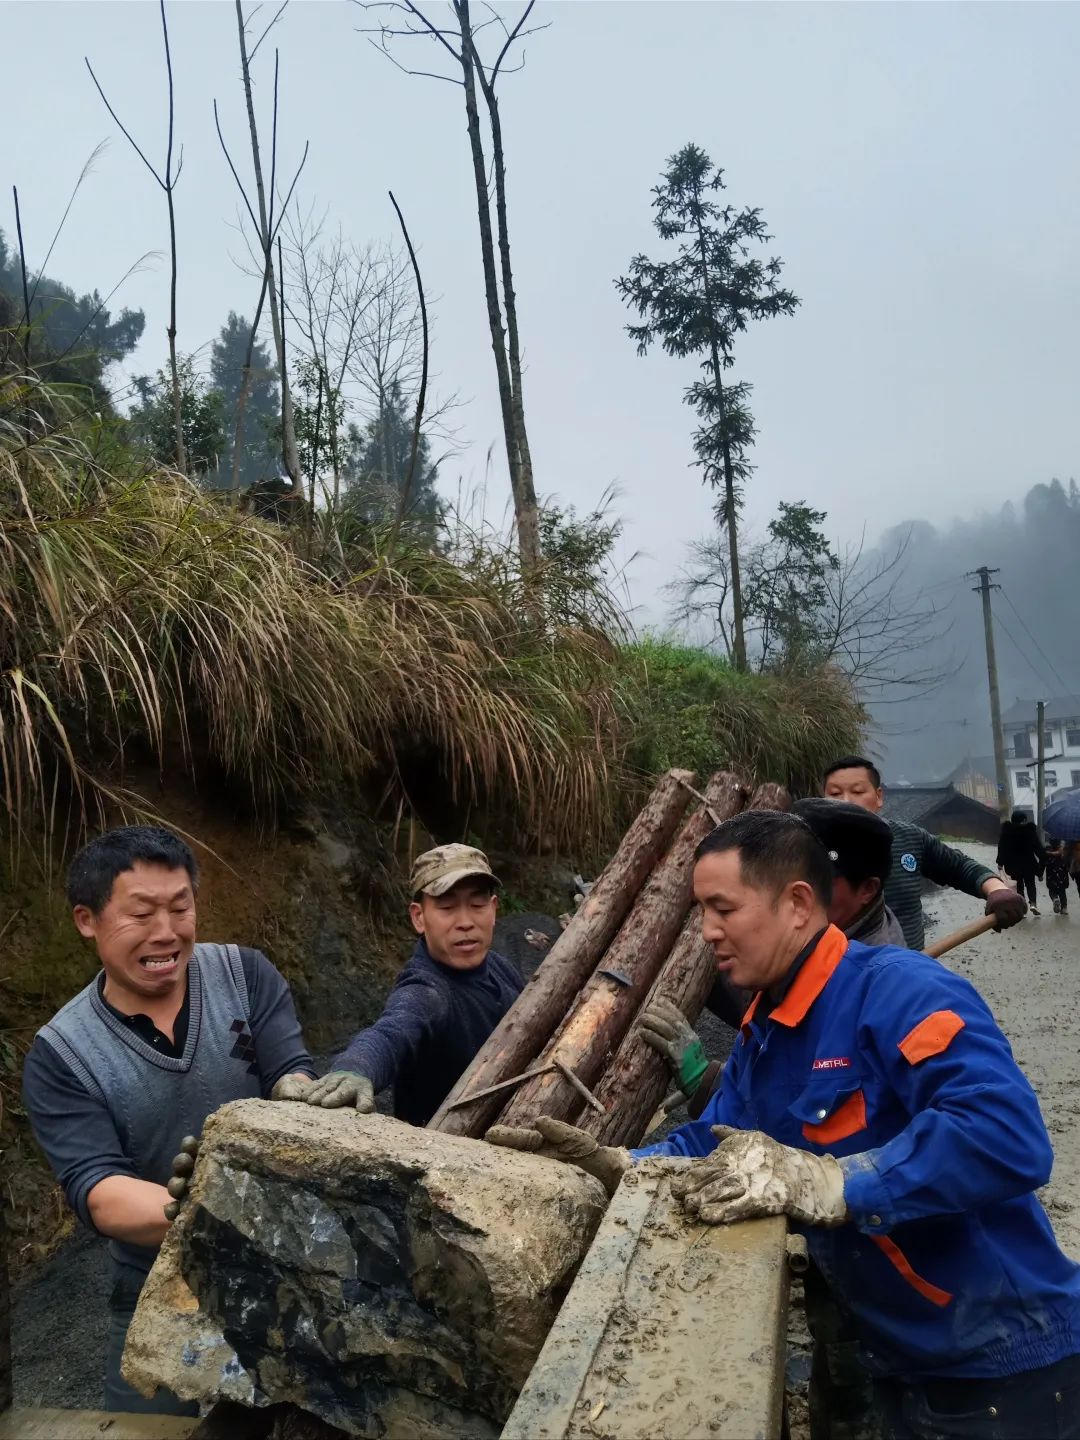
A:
(971, 931)
(637, 1079)
(1040, 764)
(610, 1000)
(527, 1025)
(6, 1374)
(770, 796)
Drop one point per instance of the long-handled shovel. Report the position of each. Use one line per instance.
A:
(966, 932)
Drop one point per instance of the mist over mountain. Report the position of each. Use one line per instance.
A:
(1034, 544)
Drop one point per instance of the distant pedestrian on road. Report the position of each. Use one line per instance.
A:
(1074, 863)
(1057, 876)
(1020, 854)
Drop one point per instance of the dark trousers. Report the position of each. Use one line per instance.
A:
(840, 1398)
(1026, 882)
(119, 1395)
(1036, 1405)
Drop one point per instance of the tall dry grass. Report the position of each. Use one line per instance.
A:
(134, 606)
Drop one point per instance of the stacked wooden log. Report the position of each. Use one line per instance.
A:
(569, 1046)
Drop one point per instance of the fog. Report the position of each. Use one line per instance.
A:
(1033, 543)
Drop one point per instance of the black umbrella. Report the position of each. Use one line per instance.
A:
(1061, 820)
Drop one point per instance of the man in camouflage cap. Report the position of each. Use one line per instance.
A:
(445, 1002)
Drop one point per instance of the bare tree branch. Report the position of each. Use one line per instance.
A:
(167, 182)
(232, 167)
(406, 489)
(424, 74)
(267, 225)
(122, 127)
(281, 11)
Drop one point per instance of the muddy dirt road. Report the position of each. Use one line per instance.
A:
(1030, 976)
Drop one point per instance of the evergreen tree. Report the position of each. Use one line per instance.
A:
(201, 416)
(259, 454)
(376, 469)
(73, 337)
(695, 304)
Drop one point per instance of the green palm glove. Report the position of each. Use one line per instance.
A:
(667, 1030)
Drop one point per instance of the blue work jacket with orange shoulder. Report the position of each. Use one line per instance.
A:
(893, 1064)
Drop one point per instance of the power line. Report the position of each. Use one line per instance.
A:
(1065, 689)
(1040, 675)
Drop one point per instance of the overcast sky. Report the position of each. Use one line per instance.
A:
(916, 163)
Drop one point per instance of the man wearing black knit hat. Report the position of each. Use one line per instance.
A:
(860, 846)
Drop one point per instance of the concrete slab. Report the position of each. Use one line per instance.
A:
(35, 1423)
(672, 1330)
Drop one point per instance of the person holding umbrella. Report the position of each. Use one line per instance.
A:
(1062, 823)
(1057, 875)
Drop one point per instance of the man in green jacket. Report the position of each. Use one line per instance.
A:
(916, 854)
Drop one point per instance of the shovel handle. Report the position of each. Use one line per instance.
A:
(960, 937)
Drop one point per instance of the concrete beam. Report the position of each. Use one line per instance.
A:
(42, 1424)
(671, 1328)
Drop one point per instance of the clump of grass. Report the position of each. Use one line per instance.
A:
(694, 710)
(135, 607)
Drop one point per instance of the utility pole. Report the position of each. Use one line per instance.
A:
(1040, 764)
(983, 588)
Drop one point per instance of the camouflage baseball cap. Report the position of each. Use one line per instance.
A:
(437, 871)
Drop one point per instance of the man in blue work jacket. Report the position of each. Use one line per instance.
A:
(872, 1099)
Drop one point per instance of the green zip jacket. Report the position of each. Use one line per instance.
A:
(918, 855)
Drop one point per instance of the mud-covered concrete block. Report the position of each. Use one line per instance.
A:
(673, 1330)
(388, 1279)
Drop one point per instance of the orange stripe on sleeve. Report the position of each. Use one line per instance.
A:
(892, 1251)
(931, 1036)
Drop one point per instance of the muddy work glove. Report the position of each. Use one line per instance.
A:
(292, 1087)
(667, 1030)
(555, 1140)
(183, 1166)
(749, 1175)
(1007, 906)
(342, 1089)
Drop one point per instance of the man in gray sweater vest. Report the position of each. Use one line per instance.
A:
(167, 1032)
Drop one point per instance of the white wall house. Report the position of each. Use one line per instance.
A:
(1062, 748)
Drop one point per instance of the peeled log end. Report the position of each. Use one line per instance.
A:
(385, 1278)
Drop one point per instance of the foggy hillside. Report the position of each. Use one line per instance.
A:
(1035, 543)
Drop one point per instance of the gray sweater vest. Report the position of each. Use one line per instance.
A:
(155, 1100)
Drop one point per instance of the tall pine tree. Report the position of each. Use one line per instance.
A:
(259, 451)
(696, 304)
(377, 468)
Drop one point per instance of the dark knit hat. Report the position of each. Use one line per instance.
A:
(859, 841)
